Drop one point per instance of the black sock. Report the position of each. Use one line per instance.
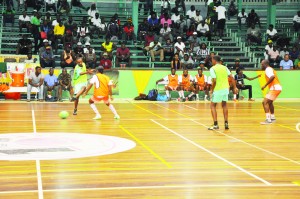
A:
(216, 123)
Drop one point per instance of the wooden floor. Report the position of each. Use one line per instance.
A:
(175, 156)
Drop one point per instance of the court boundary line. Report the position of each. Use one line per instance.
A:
(191, 107)
(37, 162)
(146, 147)
(146, 110)
(212, 153)
(237, 139)
(183, 186)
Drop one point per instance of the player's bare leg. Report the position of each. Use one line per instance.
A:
(266, 105)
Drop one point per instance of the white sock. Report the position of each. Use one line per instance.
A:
(182, 93)
(197, 96)
(93, 106)
(112, 108)
(191, 94)
(272, 116)
(234, 96)
(168, 93)
(268, 116)
(179, 93)
(205, 96)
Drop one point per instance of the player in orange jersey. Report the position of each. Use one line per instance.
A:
(201, 83)
(273, 83)
(172, 83)
(102, 92)
(186, 84)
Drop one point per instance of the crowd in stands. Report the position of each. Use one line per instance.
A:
(166, 33)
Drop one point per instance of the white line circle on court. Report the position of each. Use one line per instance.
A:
(298, 127)
(55, 146)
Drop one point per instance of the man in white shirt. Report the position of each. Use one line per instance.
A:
(179, 47)
(97, 25)
(24, 21)
(242, 18)
(203, 30)
(165, 33)
(221, 10)
(198, 18)
(296, 21)
(155, 48)
(83, 32)
(272, 33)
(191, 14)
(50, 4)
(283, 52)
(175, 17)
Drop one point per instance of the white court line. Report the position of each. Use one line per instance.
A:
(252, 145)
(37, 162)
(187, 186)
(191, 107)
(213, 154)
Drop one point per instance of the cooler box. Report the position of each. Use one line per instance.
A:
(17, 79)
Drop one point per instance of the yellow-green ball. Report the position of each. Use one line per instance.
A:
(63, 114)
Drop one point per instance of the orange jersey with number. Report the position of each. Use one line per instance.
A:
(102, 89)
(173, 81)
(275, 81)
(186, 81)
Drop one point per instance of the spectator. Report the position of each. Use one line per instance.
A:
(254, 35)
(59, 31)
(51, 84)
(48, 18)
(57, 20)
(268, 47)
(274, 56)
(272, 33)
(175, 63)
(148, 39)
(64, 84)
(203, 30)
(202, 66)
(182, 24)
(179, 6)
(240, 84)
(165, 5)
(8, 16)
(78, 50)
(142, 3)
(142, 30)
(50, 4)
(191, 14)
(83, 33)
(35, 30)
(123, 55)
(253, 18)
(202, 53)
(212, 15)
(105, 61)
(43, 48)
(97, 26)
(67, 58)
(149, 6)
(29, 59)
(108, 47)
(208, 60)
(68, 39)
(64, 7)
(35, 4)
(297, 62)
(113, 28)
(179, 47)
(155, 48)
(165, 33)
(286, 63)
(129, 31)
(70, 25)
(187, 62)
(283, 52)
(175, 17)
(297, 43)
(190, 32)
(237, 65)
(296, 21)
(166, 20)
(168, 49)
(294, 53)
(153, 23)
(47, 59)
(87, 48)
(232, 11)
(77, 3)
(24, 21)
(198, 18)
(36, 79)
(90, 58)
(194, 43)
(92, 10)
(221, 11)
(45, 29)
(24, 46)
(242, 18)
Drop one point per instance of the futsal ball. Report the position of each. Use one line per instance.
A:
(63, 114)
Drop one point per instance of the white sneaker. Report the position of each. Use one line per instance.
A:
(273, 119)
(220, 40)
(98, 117)
(266, 122)
(117, 117)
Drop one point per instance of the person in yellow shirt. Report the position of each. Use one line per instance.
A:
(59, 31)
(102, 92)
(108, 47)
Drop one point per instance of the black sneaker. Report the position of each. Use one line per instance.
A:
(226, 126)
(73, 99)
(75, 112)
(214, 127)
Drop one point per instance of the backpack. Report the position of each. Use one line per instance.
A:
(152, 95)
